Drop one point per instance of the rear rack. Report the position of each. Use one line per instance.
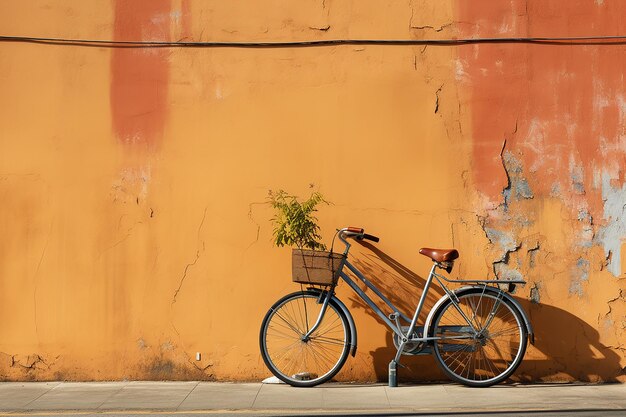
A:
(482, 281)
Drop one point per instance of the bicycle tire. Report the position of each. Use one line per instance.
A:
(486, 356)
(297, 362)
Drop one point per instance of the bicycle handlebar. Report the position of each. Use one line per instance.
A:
(370, 237)
(359, 234)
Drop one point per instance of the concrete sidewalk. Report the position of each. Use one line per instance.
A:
(256, 398)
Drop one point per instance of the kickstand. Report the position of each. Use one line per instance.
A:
(393, 374)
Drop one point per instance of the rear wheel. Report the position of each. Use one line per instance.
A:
(483, 339)
(295, 359)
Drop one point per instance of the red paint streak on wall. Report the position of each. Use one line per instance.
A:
(559, 107)
(140, 75)
(186, 20)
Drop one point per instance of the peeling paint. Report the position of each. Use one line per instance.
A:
(577, 176)
(580, 274)
(27, 365)
(535, 296)
(564, 162)
(505, 240)
(532, 255)
(504, 272)
(518, 187)
(587, 232)
(583, 214)
(612, 234)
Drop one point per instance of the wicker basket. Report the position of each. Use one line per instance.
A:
(316, 267)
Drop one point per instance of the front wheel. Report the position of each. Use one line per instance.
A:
(482, 338)
(298, 360)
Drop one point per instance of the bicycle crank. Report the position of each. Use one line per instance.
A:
(411, 348)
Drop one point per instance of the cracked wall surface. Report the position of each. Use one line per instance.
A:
(557, 188)
(133, 180)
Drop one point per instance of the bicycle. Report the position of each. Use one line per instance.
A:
(478, 333)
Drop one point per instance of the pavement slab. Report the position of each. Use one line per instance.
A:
(76, 396)
(221, 396)
(17, 395)
(354, 396)
(418, 397)
(281, 396)
(150, 396)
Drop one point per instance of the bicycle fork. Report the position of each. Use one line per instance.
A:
(327, 296)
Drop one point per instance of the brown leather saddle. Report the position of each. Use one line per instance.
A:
(440, 255)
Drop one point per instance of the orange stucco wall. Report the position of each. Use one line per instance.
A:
(133, 180)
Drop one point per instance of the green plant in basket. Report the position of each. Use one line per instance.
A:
(295, 223)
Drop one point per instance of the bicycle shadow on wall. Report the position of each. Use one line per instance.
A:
(403, 287)
(566, 348)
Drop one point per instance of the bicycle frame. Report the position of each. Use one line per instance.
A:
(397, 315)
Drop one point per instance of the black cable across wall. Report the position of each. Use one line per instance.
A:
(584, 40)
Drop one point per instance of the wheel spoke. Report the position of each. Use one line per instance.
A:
(290, 324)
(329, 341)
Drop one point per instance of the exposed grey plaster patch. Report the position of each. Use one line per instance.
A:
(583, 214)
(518, 187)
(587, 233)
(535, 297)
(575, 288)
(506, 273)
(577, 176)
(555, 190)
(597, 178)
(503, 270)
(580, 274)
(505, 240)
(613, 232)
(522, 220)
(583, 266)
(532, 255)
